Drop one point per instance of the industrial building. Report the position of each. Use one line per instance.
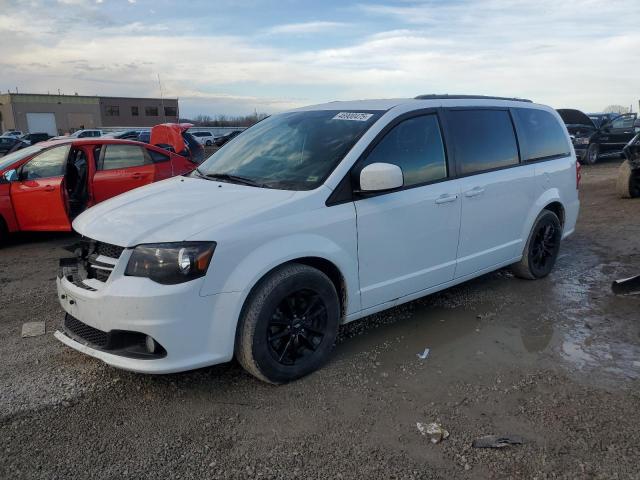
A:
(60, 114)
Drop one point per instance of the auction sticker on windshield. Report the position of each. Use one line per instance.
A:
(358, 117)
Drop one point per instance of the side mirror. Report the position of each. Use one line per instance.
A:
(379, 177)
(10, 175)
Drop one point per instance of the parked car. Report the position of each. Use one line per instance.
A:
(220, 141)
(598, 136)
(86, 133)
(176, 138)
(45, 186)
(33, 138)
(124, 135)
(204, 138)
(12, 133)
(11, 144)
(312, 218)
(628, 183)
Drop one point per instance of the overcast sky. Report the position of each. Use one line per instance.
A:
(234, 56)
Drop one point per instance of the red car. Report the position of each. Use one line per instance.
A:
(45, 186)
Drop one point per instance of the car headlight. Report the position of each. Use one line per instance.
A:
(581, 141)
(171, 263)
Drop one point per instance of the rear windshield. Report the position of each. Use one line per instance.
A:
(292, 151)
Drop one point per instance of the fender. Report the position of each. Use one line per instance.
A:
(548, 196)
(279, 251)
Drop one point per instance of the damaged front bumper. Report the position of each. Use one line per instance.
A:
(136, 324)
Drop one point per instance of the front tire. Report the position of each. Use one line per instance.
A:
(541, 250)
(592, 154)
(208, 143)
(628, 184)
(289, 324)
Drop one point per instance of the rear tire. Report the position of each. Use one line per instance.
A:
(288, 325)
(542, 248)
(4, 232)
(592, 154)
(628, 184)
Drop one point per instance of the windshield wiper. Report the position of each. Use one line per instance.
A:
(227, 177)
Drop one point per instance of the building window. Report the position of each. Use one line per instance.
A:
(134, 111)
(171, 111)
(113, 111)
(151, 111)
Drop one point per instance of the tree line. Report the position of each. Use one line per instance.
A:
(225, 120)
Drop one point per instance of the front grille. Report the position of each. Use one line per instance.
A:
(108, 250)
(88, 334)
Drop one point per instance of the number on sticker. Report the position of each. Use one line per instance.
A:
(356, 116)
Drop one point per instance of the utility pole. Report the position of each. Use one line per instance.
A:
(164, 117)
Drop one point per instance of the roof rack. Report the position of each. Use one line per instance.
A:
(446, 96)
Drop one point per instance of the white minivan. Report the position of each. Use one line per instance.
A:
(313, 218)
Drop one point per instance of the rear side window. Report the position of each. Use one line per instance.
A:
(123, 156)
(415, 145)
(540, 134)
(483, 140)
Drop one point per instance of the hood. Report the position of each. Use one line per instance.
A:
(174, 210)
(575, 117)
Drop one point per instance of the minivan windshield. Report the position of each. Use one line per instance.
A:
(291, 151)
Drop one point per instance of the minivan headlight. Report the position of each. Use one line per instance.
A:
(171, 263)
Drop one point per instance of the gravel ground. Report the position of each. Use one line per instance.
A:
(555, 361)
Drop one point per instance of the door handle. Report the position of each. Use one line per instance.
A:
(49, 188)
(136, 176)
(474, 192)
(446, 198)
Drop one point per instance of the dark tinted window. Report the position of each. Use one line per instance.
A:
(415, 145)
(122, 156)
(484, 139)
(50, 163)
(540, 134)
(157, 156)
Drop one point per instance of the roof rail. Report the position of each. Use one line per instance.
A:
(446, 96)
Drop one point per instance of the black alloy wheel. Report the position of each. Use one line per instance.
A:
(297, 327)
(289, 324)
(544, 248)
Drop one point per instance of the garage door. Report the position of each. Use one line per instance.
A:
(42, 123)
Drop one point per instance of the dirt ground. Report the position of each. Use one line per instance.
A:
(556, 361)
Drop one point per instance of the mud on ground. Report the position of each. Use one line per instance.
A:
(555, 361)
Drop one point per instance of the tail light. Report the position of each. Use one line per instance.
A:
(578, 174)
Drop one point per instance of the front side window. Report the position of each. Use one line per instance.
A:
(293, 151)
(483, 140)
(540, 134)
(624, 121)
(50, 163)
(415, 145)
(122, 156)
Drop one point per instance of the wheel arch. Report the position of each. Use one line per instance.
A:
(549, 200)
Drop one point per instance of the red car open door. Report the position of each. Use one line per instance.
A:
(120, 168)
(39, 197)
